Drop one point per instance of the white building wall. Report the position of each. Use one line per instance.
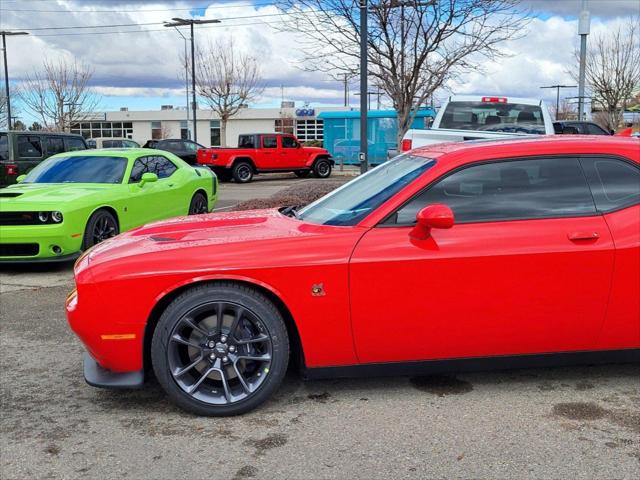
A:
(249, 120)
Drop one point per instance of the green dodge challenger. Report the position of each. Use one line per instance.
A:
(74, 200)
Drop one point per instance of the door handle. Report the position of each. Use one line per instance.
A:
(577, 236)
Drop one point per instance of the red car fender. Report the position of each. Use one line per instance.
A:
(217, 276)
(312, 158)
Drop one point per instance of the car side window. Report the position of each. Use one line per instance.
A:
(615, 183)
(270, 142)
(289, 142)
(159, 165)
(55, 145)
(74, 144)
(508, 190)
(29, 146)
(593, 129)
(172, 145)
(191, 146)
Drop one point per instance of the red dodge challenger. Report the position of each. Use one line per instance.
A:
(452, 257)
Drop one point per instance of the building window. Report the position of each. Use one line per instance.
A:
(307, 130)
(156, 130)
(184, 130)
(103, 129)
(284, 125)
(215, 133)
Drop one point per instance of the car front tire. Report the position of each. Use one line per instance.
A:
(220, 349)
(322, 168)
(101, 226)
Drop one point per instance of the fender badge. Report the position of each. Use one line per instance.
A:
(317, 290)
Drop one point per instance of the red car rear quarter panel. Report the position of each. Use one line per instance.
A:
(139, 273)
(622, 324)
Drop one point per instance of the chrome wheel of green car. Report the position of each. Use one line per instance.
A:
(101, 225)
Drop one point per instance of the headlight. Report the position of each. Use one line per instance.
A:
(43, 217)
(56, 217)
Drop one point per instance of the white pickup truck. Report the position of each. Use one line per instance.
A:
(466, 117)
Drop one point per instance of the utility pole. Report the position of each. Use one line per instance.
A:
(364, 11)
(6, 71)
(558, 87)
(583, 31)
(181, 22)
(346, 89)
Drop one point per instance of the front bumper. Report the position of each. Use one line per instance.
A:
(47, 237)
(96, 376)
(116, 346)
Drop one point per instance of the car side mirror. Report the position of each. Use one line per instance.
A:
(432, 216)
(148, 178)
(20, 178)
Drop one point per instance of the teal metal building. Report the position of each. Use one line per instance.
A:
(342, 133)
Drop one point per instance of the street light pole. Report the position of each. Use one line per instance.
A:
(186, 78)
(6, 72)
(583, 31)
(181, 22)
(558, 87)
(364, 162)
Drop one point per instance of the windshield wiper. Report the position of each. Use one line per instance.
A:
(290, 211)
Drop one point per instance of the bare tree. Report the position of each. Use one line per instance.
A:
(613, 70)
(227, 80)
(414, 47)
(60, 94)
(567, 111)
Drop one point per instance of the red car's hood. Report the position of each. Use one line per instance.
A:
(225, 235)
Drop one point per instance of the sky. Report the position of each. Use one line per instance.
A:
(141, 69)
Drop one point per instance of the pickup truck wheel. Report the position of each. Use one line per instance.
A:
(322, 168)
(242, 172)
(302, 173)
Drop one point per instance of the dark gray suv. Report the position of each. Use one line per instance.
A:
(20, 151)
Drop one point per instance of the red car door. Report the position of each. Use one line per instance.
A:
(525, 269)
(615, 183)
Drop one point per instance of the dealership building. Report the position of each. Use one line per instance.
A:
(171, 122)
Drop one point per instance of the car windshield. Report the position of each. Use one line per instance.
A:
(352, 202)
(79, 169)
(493, 117)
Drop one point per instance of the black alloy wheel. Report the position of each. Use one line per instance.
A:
(242, 172)
(322, 168)
(101, 226)
(220, 349)
(198, 204)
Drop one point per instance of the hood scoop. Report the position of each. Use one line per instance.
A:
(10, 194)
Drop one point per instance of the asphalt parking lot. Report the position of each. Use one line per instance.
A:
(581, 422)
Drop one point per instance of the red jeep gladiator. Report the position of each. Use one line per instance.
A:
(265, 153)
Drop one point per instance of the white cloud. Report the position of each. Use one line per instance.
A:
(145, 65)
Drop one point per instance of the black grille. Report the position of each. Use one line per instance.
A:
(19, 218)
(19, 249)
(10, 194)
